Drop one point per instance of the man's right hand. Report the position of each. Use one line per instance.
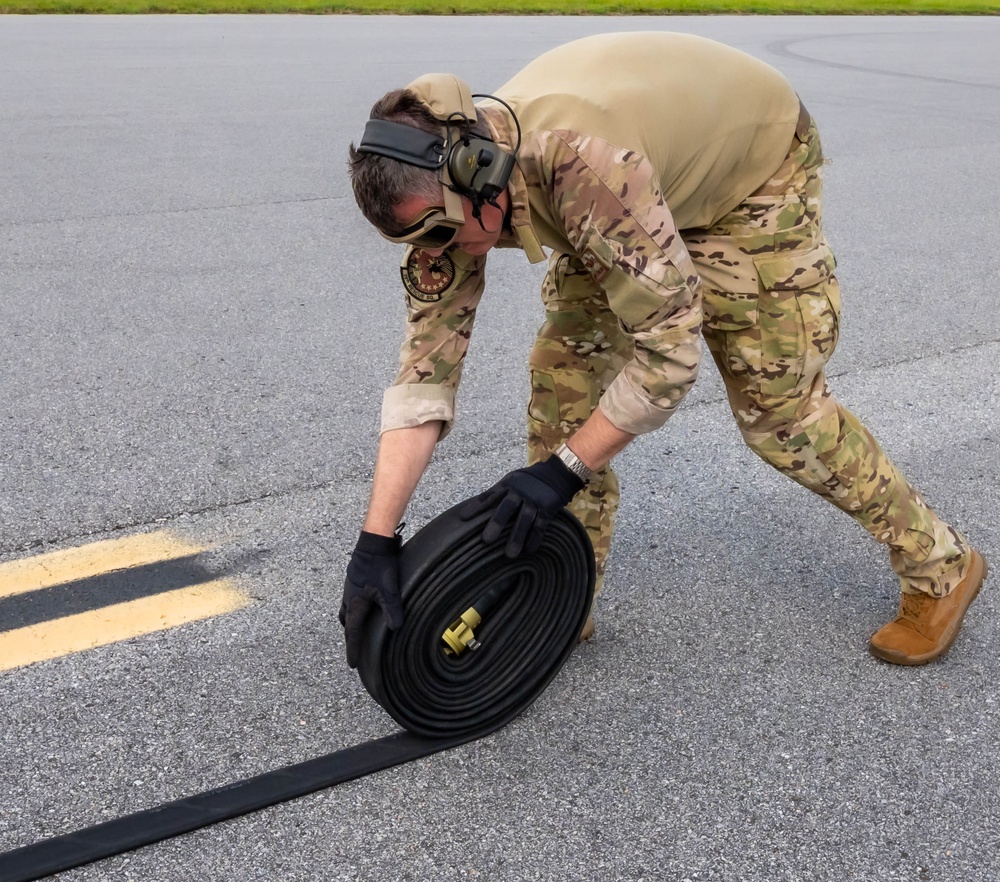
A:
(528, 499)
(372, 577)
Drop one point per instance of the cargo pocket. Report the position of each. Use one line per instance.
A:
(799, 318)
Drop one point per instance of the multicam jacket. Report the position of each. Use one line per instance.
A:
(626, 140)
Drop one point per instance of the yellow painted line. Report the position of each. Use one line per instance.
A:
(95, 559)
(121, 621)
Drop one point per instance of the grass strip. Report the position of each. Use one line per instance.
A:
(513, 7)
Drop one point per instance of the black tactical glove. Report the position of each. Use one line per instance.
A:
(372, 577)
(530, 497)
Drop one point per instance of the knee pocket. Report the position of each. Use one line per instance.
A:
(559, 399)
(814, 451)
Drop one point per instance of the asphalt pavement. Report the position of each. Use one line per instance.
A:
(196, 328)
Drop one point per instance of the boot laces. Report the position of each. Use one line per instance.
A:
(914, 606)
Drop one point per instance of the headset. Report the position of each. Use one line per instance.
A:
(467, 165)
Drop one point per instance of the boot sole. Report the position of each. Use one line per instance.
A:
(911, 660)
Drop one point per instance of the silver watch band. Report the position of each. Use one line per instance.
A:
(573, 463)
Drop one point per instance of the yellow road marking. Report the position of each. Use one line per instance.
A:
(97, 558)
(121, 621)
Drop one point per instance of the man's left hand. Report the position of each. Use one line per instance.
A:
(372, 579)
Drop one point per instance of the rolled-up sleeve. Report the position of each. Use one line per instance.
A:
(442, 296)
(617, 221)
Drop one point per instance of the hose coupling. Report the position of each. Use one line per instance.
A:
(460, 635)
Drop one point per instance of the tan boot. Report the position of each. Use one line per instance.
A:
(588, 629)
(927, 626)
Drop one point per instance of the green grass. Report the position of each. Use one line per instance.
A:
(516, 7)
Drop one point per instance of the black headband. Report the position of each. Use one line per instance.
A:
(403, 143)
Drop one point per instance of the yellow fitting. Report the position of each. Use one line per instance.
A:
(460, 636)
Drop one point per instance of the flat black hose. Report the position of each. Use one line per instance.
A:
(538, 608)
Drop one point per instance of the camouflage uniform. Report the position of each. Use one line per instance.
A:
(627, 295)
(771, 306)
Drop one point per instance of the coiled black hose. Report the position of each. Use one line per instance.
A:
(539, 608)
(533, 613)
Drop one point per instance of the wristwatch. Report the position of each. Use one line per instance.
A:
(573, 463)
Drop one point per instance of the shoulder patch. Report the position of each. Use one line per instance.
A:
(425, 277)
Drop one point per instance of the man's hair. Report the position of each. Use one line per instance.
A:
(381, 183)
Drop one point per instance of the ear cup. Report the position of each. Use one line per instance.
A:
(471, 161)
(479, 169)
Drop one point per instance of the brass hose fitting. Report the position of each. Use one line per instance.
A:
(460, 636)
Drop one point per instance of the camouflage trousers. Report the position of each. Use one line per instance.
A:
(771, 322)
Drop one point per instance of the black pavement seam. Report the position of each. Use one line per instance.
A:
(367, 474)
(781, 48)
(195, 209)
